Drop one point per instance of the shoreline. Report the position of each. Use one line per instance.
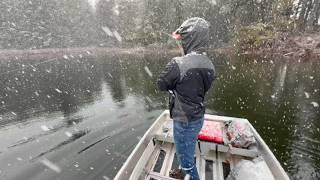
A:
(78, 52)
(302, 47)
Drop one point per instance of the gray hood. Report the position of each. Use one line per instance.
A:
(195, 35)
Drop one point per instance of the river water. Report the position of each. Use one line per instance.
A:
(79, 118)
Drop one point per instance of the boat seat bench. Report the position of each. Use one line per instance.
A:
(212, 166)
(205, 147)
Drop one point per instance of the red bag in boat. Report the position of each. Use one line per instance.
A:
(211, 131)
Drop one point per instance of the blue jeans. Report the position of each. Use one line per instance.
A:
(185, 138)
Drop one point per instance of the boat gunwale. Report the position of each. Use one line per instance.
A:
(126, 166)
(262, 143)
(164, 116)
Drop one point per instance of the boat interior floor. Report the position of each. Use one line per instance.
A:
(212, 164)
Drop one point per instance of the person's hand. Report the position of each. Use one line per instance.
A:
(176, 36)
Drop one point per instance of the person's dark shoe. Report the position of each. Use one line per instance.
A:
(177, 174)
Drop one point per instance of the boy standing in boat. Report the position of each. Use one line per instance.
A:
(188, 78)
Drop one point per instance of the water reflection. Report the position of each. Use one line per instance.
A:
(114, 77)
(114, 96)
(59, 85)
(276, 96)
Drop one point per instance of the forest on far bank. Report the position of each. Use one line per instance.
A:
(40, 24)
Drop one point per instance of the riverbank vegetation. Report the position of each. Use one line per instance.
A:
(242, 25)
(288, 27)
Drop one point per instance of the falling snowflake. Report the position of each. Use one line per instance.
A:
(110, 75)
(58, 90)
(105, 178)
(51, 165)
(65, 57)
(107, 31)
(68, 134)
(117, 36)
(148, 71)
(315, 104)
(307, 95)
(148, 99)
(36, 93)
(45, 128)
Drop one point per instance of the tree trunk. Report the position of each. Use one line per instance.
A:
(301, 22)
(297, 9)
(309, 8)
(178, 7)
(315, 15)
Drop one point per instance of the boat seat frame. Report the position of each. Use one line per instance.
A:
(214, 157)
(167, 136)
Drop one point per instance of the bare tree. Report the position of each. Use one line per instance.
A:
(315, 14)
